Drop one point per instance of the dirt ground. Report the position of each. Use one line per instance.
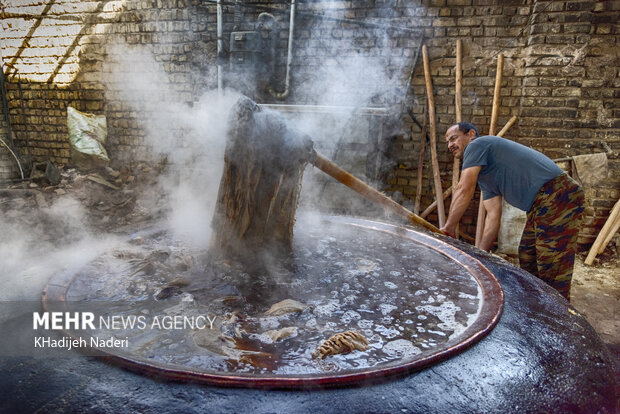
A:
(115, 201)
(596, 294)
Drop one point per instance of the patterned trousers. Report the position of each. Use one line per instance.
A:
(549, 240)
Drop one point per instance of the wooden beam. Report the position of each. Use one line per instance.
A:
(433, 138)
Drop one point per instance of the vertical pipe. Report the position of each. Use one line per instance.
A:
(433, 141)
(220, 47)
(289, 57)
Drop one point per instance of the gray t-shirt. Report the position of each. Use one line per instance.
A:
(511, 170)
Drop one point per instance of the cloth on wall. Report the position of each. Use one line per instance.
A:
(591, 168)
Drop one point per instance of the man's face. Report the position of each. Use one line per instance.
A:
(457, 140)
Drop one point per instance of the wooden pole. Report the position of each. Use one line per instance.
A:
(506, 127)
(458, 99)
(367, 191)
(433, 138)
(492, 127)
(458, 95)
(609, 224)
(418, 191)
(496, 94)
(430, 208)
(610, 234)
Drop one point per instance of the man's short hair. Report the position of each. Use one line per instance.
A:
(465, 127)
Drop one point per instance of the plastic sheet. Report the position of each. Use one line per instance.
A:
(87, 134)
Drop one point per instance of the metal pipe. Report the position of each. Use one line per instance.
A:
(220, 47)
(414, 32)
(327, 109)
(289, 58)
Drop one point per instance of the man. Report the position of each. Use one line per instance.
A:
(530, 181)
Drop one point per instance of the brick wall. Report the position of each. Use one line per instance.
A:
(130, 60)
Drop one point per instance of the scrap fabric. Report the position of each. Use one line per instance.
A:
(549, 240)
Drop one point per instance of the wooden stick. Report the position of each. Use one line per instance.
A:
(458, 100)
(458, 95)
(496, 94)
(418, 191)
(506, 127)
(433, 138)
(467, 237)
(610, 234)
(431, 207)
(609, 224)
(494, 115)
(367, 191)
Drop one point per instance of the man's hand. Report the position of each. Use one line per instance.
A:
(449, 232)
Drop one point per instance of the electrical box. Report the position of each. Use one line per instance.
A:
(245, 48)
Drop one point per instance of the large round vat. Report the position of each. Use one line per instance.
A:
(541, 356)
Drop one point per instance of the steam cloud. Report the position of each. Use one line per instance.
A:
(30, 254)
(192, 139)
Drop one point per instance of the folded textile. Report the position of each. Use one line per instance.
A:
(591, 168)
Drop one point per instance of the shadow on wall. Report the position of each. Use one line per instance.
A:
(45, 47)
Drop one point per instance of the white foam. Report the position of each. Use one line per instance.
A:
(401, 348)
(390, 285)
(386, 308)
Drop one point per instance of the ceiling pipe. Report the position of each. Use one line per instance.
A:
(289, 58)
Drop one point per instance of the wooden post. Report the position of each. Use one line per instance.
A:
(433, 138)
(492, 127)
(458, 99)
(418, 191)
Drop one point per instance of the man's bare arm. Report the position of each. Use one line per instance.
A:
(493, 207)
(461, 197)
